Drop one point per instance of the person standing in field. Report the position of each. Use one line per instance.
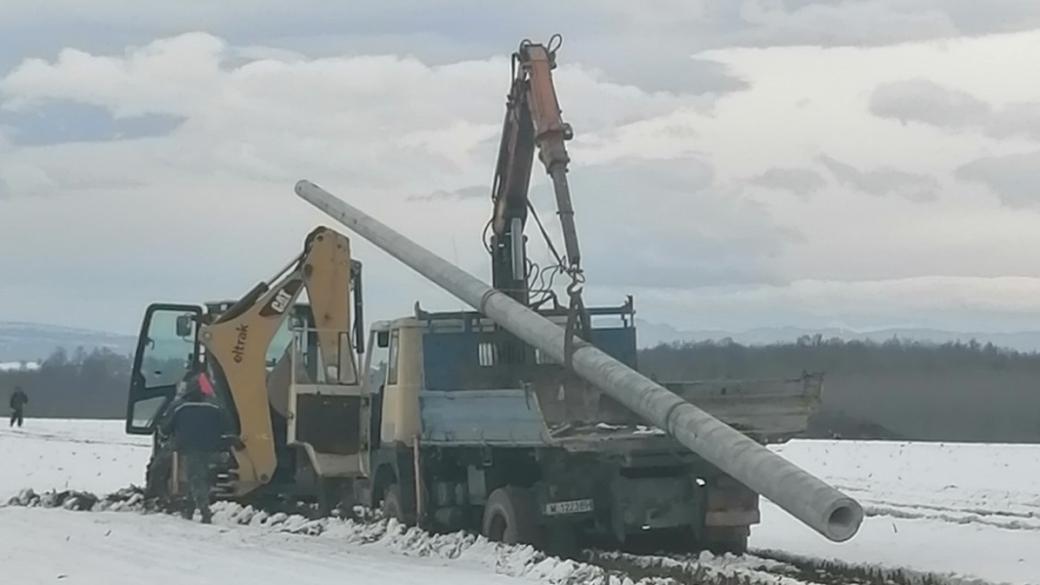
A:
(17, 404)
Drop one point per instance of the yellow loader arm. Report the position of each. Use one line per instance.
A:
(237, 342)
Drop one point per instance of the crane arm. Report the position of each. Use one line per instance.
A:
(533, 120)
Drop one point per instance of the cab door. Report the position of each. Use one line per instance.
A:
(166, 349)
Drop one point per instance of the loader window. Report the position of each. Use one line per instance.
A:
(395, 338)
(282, 339)
(145, 411)
(165, 355)
(377, 360)
(166, 348)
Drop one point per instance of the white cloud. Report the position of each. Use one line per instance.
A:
(376, 129)
(884, 180)
(920, 100)
(670, 223)
(473, 192)
(841, 23)
(669, 186)
(802, 182)
(967, 303)
(633, 45)
(1018, 119)
(168, 76)
(268, 116)
(1014, 178)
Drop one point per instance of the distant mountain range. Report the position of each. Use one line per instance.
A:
(653, 334)
(34, 341)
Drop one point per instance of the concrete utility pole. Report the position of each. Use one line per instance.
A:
(806, 497)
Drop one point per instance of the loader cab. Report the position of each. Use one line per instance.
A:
(167, 348)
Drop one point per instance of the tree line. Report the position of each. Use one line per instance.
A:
(83, 384)
(897, 389)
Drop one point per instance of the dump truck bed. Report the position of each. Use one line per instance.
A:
(768, 410)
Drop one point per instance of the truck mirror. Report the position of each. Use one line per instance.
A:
(185, 326)
(383, 338)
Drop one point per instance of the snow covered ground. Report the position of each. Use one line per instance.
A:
(18, 366)
(973, 510)
(89, 455)
(111, 548)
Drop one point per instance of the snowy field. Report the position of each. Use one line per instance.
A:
(89, 455)
(18, 366)
(969, 510)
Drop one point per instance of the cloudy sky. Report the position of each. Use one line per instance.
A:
(864, 164)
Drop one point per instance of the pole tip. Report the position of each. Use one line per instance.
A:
(844, 520)
(302, 185)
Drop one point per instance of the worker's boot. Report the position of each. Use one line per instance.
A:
(207, 516)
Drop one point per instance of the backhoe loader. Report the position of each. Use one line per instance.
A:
(284, 372)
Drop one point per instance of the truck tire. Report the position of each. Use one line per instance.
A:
(393, 505)
(510, 516)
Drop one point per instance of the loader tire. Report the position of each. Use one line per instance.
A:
(393, 506)
(331, 496)
(157, 477)
(510, 517)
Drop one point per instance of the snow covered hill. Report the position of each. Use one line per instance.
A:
(651, 334)
(35, 341)
(970, 510)
(19, 366)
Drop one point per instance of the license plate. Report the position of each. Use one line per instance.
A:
(569, 507)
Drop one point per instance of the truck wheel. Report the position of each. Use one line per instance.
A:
(510, 516)
(393, 506)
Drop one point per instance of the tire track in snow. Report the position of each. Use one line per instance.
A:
(953, 516)
(956, 512)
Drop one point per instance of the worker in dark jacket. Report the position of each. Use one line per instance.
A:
(197, 427)
(17, 404)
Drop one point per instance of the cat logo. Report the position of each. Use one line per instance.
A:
(282, 300)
